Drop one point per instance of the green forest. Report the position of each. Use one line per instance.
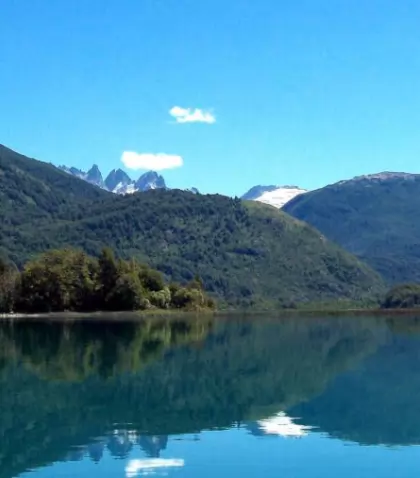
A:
(70, 280)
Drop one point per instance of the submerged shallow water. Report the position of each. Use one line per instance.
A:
(299, 397)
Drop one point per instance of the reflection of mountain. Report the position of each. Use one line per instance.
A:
(279, 425)
(62, 385)
(119, 443)
(375, 404)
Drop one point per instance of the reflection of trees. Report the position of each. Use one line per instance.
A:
(62, 384)
(76, 351)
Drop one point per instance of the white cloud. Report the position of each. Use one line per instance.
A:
(191, 115)
(156, 162)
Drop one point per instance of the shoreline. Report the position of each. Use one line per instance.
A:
(159, 314)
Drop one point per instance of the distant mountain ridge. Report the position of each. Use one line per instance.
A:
(118, 181)
(276, 196)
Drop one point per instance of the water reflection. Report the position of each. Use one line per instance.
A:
(72, 391)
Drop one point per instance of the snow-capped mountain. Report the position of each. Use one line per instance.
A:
(150, 180)
(276, 196)
(93, 176)
(118, 181)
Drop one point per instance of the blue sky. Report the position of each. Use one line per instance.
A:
(303, 92)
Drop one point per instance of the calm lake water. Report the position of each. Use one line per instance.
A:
(262, 397)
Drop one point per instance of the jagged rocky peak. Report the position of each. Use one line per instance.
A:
(94, 176)
(117, 178)
(150, 180)
(119, 182)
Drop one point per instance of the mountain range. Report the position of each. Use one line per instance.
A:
(248, 254)
(119, 182)
(346, 240)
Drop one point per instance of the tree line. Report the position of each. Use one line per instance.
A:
(70, 280)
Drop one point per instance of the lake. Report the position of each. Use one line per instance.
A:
(188, 397)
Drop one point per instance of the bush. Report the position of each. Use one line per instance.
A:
(161, 298)
(406, 296)
(128, 294)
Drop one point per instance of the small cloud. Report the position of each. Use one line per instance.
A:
(191, 115)
(156, 162)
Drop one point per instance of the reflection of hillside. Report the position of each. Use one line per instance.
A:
(65, 384)
(378, 402)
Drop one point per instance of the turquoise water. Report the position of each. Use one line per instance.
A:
(298, 397)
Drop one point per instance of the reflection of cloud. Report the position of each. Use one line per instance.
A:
(150, 465)
(283, 425)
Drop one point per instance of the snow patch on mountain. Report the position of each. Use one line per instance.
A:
(276, 196)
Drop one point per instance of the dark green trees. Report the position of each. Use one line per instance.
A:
(108, 273)
(59, 280)
(70, 280)
(8, 285)
(406, 296)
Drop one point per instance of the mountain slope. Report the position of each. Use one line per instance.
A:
(31, 189)
(276, 196)
(247, 254)
(375, 217)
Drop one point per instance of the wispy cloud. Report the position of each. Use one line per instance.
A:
(191, 115)
(156, 162)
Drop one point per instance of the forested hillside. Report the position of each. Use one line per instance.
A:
(374, 217)
(32, 191)
(247, 254)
